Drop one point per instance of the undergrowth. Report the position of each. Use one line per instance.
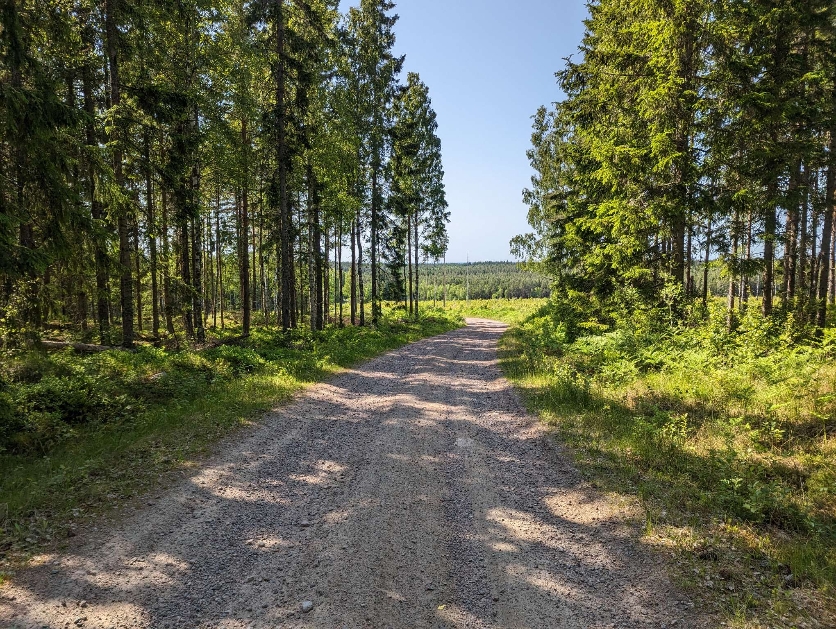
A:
(726, 437)
(82, 434)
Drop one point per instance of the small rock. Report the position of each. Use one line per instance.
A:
(304, 523)
(307, 606)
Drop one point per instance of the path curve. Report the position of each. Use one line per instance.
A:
(411, 492)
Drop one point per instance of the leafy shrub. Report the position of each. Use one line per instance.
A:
(241, 360)
(10, 421)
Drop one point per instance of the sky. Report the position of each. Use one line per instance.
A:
(489, 64)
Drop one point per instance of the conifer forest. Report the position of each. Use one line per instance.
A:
(252, 374)
(693, 135)
(165, 163)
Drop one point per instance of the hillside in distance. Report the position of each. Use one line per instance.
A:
(486, 280)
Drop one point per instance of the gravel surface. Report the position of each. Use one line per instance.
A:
(414, 491)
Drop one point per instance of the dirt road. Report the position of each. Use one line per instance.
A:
(411, 492)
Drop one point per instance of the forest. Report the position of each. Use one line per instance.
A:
(692, 132)
(203, 205)
(480, 280)
(684, 204)
(165, 162)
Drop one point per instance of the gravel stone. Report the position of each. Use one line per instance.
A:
(432, 490)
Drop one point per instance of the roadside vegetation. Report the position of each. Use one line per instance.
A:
(683, 204)
(725, 438)
(83, 434)
(505, 310)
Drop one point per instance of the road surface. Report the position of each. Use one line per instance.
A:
(413, 491)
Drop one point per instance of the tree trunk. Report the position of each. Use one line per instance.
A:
(827, 232)
(219, 257)
(353, 305)
(152, 238)
(167, 295)
(99, 251)
(288, 282)
(125, 279)
(243, 249)
(770, 226)
(417, 267)
(801, 270)
(409, 263)
(197, 265)
(732, 274)
(374, 221)
(360, 288)
(138, 269)
(326, 276)
(744, 277)
(791, 235)
(315, 240)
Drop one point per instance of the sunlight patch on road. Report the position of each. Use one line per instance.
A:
(324, 473)
(542, 580)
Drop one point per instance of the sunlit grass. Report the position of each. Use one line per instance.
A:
(506, 310)
(723, 440)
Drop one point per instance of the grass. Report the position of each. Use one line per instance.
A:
(725, 440)
(509, 311)
(158, 414)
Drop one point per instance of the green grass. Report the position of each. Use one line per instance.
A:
(725, 440)
(158, 413)
(506, 310)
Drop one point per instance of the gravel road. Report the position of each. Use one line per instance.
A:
(414, 491)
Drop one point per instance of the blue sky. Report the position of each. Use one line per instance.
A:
(489, 64)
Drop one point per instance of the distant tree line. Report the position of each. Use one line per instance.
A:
(693, 136)
(482, 280)
(165, 161)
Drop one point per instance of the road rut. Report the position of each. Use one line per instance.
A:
(413, 491)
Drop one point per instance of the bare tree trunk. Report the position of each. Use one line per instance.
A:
(744, 277)
(220, 258)
(340, 279)
(831, 288)
(138, 270)
(732, 273)
(353, 273)
(791, 236)
(374, 235)
(288, 281)
(409, 262)
(152, 239)
(315, 253)
(827, 233)
(261, 263)
(770, 225)
(326, 277)
(689, 260)
(417, 267)
(814, 260)
(197, 287)
(99, 252)
(801, 270)
(167, 296)
(125, 279)
(244, 232)
(360, 288)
